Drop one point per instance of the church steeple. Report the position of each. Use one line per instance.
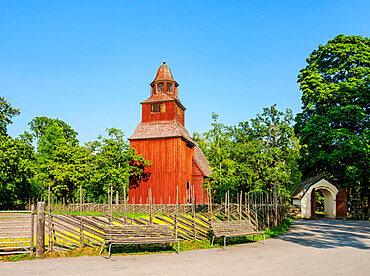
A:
(163, 104)
(162, 138)
(164, 82)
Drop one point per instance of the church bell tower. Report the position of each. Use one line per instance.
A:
(161, 137)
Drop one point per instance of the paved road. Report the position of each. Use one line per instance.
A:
(322, 247)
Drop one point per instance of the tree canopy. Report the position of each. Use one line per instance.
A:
(334, 124)
(253, 155)
(7, 112)
(16, 163)
(115, 162)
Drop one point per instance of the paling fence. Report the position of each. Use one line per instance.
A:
(16, 232)
(65, 230)
(193, 222)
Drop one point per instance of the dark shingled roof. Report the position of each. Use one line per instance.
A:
(202, 161)
(302, 188)
(161, 129)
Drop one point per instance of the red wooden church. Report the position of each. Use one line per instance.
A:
(161, 137)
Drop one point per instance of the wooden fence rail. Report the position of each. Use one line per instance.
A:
(16, 232)
(67, 230)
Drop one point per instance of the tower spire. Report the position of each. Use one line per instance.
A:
(164, 82)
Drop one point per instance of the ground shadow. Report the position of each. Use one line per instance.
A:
(123, 249)
(329, 234)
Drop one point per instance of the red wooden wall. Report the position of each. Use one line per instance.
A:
(171, 166)
(197, 183)
(172, 112)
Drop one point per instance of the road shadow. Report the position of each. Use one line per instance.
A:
(329, 234)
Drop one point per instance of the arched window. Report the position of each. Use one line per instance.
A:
(169, 88)
(160, 87)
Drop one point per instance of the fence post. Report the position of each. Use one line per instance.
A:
(81, 224)
(210, 202)
(150, 206)
(40, 233)
(276, 211)
(124, 203)
(176, 210)
(49, 224)
(111, 204)
(32, 227)
(240, 205)
(194, 204)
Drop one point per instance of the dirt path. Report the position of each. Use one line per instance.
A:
(324, 247)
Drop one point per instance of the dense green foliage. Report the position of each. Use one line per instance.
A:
(334, 124)
(16, 171)
(7, 112)
(114, 163)
(253, 155)
(16, 159)
(61, 163)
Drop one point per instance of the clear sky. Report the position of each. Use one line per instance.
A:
(89, 63)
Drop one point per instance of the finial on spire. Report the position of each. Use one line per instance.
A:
(164, 62)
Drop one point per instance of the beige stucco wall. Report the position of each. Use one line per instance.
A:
(329, 191)
(297, 202)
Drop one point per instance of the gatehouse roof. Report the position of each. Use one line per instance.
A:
(302, 188)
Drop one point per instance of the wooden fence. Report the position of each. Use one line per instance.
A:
(193, 222)
(16, 232)
(66, 230)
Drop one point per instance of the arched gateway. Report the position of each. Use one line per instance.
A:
(335, 198)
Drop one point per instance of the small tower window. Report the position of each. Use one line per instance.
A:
(152, 91)
(169, 88)
(160, 87)
(158, 107)
(180, 111)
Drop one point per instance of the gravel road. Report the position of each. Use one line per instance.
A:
(321, 247)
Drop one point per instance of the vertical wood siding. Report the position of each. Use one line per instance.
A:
(172, 166)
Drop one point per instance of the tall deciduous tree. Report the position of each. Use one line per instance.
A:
(267, 151)
(61, 162)
(115, 162)
(7, 112)
(16, 172)
(40, 125)
(334, 125)
(217, 147)
(253, 155)
(16, 163)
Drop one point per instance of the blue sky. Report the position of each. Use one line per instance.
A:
(90, 63)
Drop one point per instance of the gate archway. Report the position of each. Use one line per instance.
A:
(335, 202)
